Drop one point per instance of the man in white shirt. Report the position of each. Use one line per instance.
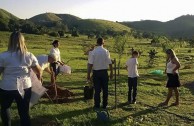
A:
(100, 61)
(44, 62)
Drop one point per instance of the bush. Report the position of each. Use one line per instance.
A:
(54, 34)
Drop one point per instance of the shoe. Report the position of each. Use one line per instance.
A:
(163, 104)
(134, 102)
(175, 104)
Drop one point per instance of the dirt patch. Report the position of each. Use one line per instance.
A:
(63, 95)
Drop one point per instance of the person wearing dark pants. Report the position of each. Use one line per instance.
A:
(15, 66)
(100, 61)
(100, 80)
(131, 66)
(7, 98)
(132, 84)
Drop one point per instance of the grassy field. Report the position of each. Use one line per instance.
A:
(79, 112)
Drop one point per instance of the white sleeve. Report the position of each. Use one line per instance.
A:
(91, 58)
(34, 60)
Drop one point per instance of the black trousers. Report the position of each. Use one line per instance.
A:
(100, 80)
(132, 84)
(7, 98)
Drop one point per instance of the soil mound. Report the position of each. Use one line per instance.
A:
(63, 95)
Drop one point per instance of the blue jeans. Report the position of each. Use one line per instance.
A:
(132, 84)
(7, 98)
(100, 80)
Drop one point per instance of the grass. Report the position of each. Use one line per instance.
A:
(79, 112)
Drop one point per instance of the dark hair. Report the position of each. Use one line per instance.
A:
(100, 41)
(135, 53)
(55, 42)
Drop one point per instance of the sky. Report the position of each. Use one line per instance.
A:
(113, 10)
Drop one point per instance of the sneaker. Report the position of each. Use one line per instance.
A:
(134, 102)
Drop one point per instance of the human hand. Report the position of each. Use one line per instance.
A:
(111, 75)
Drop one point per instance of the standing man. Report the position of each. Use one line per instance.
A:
(99, 61)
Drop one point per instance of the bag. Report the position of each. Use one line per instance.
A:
(102, 115)
(37, 89)
(88, 92)
(64, 69)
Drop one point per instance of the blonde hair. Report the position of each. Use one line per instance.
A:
(171, 53)
(17, 44)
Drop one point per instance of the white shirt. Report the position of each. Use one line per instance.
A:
(89, 55)
(57, 52)
(170, 66)
(132, 67)
(100, 58)
(16, 69)
(43, 61)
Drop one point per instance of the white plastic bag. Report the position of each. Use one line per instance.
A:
(65, 69)
(37, 89)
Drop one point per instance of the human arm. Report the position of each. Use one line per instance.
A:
(61, 63)
(111, 71)
(37, 70)
(177, 63)
(89, 71)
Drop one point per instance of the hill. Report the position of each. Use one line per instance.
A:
(100, 25)
(180, 27)
(4, 15)
(83, 25)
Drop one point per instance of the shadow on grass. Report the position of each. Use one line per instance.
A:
(58, 119)
(190, 86)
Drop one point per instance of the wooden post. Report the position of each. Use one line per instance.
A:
(115, 80)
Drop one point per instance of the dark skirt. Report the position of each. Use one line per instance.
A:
(173, 80)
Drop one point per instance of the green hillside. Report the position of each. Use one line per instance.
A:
(4, 15)
(46, 17)
(82, 25)
(67, 18)
(100, 25)
(180, 27)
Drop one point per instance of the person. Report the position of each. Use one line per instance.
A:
(45, 61)
(55, 50)
(99, 61)
(89, 53)
(172, 66)
(131, 66)
(15, 66)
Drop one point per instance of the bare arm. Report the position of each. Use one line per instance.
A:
(111, 71)
(89, 71)
(38, 71)
(177, 63)
(61, 63)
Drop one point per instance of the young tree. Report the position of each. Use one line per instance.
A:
(119, 48)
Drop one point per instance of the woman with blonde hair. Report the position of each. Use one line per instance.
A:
(15, 66)
(172, 66)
